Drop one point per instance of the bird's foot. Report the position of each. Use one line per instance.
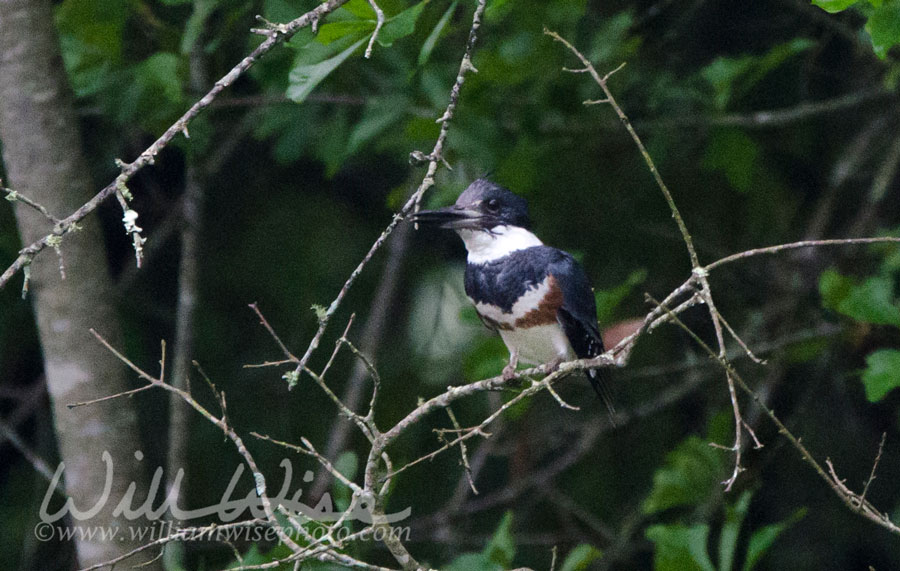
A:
(509, 371)
(553, 365)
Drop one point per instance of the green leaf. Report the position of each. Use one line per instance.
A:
(680, 548)
(194, 26)
(731, 77)
(333, 31)
(882, 373)
(304, 77)
(347, 464)
(473, 562)
(401, 25)
(870, 302)
(502, 548)
(691, 473)
(375, 119)
(360, 8)
(763, 538)
(834, 288)
(833, 6)
(580, 557)
(435, 34)
(608, 300)
(728, 538)
(734, 154)
(159, 73)
(884, 28)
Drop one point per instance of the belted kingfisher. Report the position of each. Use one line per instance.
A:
(538, 298)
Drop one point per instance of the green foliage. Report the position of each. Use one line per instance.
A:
(731, 78)
(679, 547)
(608, 300)
(884, 26)
(733, 153)
(882, 373)
(315, 62)
(497, 555)
(432, 39)
(872, 301)
(580, 558)
(691, 473)
(883, 20)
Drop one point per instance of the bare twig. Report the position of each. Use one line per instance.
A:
(379, 22)
(13, 196)
(795, 245)
(40, 466)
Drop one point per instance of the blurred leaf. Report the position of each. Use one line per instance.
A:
(401, 25)
(834, 288)
(160, 73)
(91, 33)
(580, 557)
(378, 116)
(195, 24)
(431, 40)
(882, 373)
(306, 75)
(333, 31)
(691, 474)
(871, 302)
(680, 548)
(473, 562)
(884, 27)
(502, 547)
(732, 76)
(360, 8)
(763, 538)
(607, 300)
(731, 529)
(734, 154)
(497, 554)
(347, 464)
(833, 6)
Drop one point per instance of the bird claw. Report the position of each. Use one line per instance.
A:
(509, 371)
(553, 365)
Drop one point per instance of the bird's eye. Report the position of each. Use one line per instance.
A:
(493, 205)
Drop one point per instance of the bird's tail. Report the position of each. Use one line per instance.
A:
(599, 379)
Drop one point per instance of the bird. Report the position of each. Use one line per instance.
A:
(538, 298)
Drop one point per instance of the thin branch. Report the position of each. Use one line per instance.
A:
(796, 245)
(14, 196)
(862, 496)
(464, 457)
(379, 15)
(40, 466)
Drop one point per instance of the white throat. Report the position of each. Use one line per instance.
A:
(484, 246)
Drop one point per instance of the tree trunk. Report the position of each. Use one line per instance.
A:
(44, 161)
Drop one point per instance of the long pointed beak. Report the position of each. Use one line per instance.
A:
(451, 217)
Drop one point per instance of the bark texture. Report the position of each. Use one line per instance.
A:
(44, 161)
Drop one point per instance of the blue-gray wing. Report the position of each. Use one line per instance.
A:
(578, 318)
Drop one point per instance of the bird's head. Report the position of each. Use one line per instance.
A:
(483, 206)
